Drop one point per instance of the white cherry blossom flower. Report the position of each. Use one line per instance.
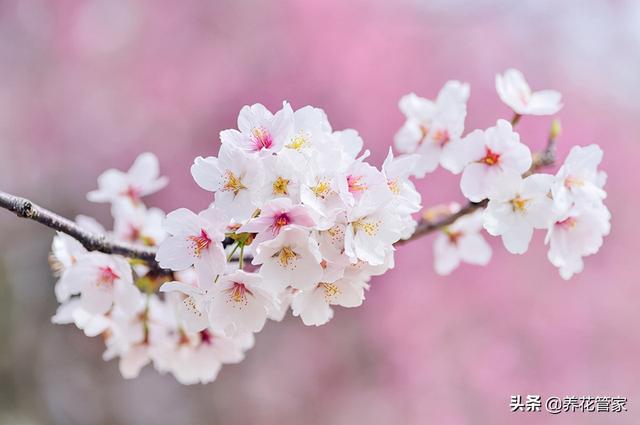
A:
(517, 207)
(192, 312)
(397, 171)
(260, 130)
(311, 129)
(331, 240)
(461, 242)
(275, 216)
(361, 178)
(284, 302)
(142, 179)
(71, 311)
(578, 180)
(234, 176)
(576, 234)
(282, 176)
(314, 305)
(194, 240)
(290, 259)
(241, 302)
(65, 251)
(343, 148)
(103, 280)
(431, 126)
(370, 230)
(125, 340)
(197, 357)
(320, 190)
(515, 92)
(138, 224)
(490, 156)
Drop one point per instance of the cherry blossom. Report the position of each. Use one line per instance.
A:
(404, 194)
(431, 126)
(515, 92)
(275, 216)
(490, 156)
(241, 302)
(311, 129)
(102, 281)
(302, 220)
(461, 242)
(194, 240)
(234, 176)
(138, 224)
(517, 207)
(290, 259)
(260, 130)
(314, 305)
(282, 176)
(142, 179)
(575, 234)
(320, 190)
(578, 180)
(193, 310)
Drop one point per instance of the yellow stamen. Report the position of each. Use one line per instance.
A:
(298, 141)
(369, 227)
(322, 189)
(286, 256)
(281, 186)
(331, 291)
(519, 204)
(233, 183)
(394, 187)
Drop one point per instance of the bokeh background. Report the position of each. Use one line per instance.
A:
(88, 84)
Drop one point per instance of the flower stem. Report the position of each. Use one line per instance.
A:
(241, 259)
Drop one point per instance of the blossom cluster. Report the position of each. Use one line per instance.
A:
(299, 220)
(495, 166)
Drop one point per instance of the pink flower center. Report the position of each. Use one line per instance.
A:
(573, 182)
(567, 223)
(261, 139)
(491, 158)
(107, 277)
(454, 237)
(441, 137)
(206, 337)
(356, 184)
(238, 293)
(132, 193)
(200, 243)
(134, 233)
(279, 221)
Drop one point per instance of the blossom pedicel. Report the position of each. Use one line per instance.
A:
(301, 220)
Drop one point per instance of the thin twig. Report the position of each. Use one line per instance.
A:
(96, 242)
(542, 159)
(91, 241)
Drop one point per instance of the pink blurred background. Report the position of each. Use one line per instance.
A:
(87, 85)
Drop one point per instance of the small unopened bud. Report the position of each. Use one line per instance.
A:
(556, 129)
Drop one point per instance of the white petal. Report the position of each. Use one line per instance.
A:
(206, 173)
(516, 239)
(311, 307)
(474, 249)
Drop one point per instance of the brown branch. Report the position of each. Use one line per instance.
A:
(91, 241)
(95, 242)
(540, 160)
